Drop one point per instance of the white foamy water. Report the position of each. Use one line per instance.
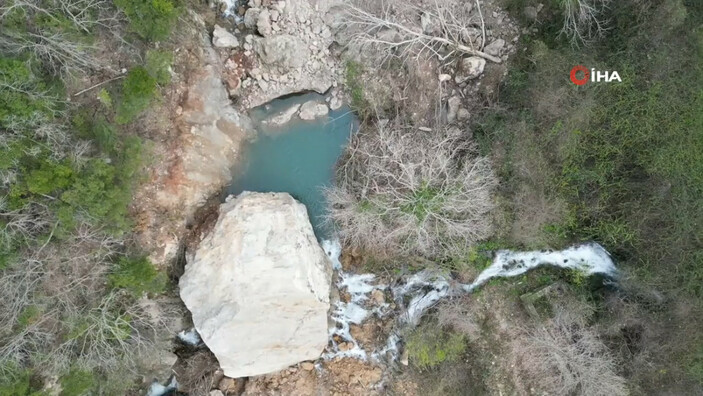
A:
(190, 337)
(426, 288)
(231, 9)
(354, 311)
(591, 258)
(157, 389)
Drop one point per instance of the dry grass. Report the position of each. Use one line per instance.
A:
(565, 356)
(198, 374)
(462, 316)
(58, 313)
(402, 191)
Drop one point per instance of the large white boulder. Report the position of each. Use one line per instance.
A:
(258, 286)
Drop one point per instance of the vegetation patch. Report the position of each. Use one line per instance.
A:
(429, 345)
(152, 20)
(68, 280)
(400, 193)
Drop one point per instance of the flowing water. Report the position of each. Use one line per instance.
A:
(297, 158)
(416, 294)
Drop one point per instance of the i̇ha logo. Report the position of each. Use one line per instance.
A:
(592, 75)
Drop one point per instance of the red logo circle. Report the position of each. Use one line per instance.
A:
(580, 81)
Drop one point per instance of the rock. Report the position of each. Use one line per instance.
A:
(494, 47)
(221, 38)
(312, 109)
(284, 116)
(263, 23)
(307, 366)
(282, 50)
(389, 35)
(429, 26)
(211, 134)
(530, 13)
(279, 5)
(452, 108)
(462, 114)
(378, 297)
(471, 68)
(471, 36)
(336, 103)
(216, 392)
(251, 17)
(158, 364)
(231, 386)
(258, 286)
(444, 77)
(404, 358)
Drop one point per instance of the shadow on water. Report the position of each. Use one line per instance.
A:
(297, 158)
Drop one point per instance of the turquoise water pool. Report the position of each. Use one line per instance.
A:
(298, 158)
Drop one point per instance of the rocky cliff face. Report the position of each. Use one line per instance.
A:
(193, 161)
(258, 286)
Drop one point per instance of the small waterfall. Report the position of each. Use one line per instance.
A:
(426, 288)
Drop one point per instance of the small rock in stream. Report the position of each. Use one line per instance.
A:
(283, 117)
(312, 109)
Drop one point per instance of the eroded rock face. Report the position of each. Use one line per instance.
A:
(290, 48)
(194, 155)
(258, 286)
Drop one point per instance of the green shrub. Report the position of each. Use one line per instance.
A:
(49, 177)
(429, 346)
(105, 98)
(150, 19)
(77, 382)
(20, 102)
(15, 381)
(29, 316)
(137, 276)
(138, 91)
(97, 191)
(352, 78)
(105, 135)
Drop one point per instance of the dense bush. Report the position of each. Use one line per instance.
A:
(138, 90)
(17, 108)
(15, 381)
(400, 193)
(150, 19)
(138, 276)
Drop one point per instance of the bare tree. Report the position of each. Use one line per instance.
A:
(406, 191)
(402, 29)
(583, 19)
